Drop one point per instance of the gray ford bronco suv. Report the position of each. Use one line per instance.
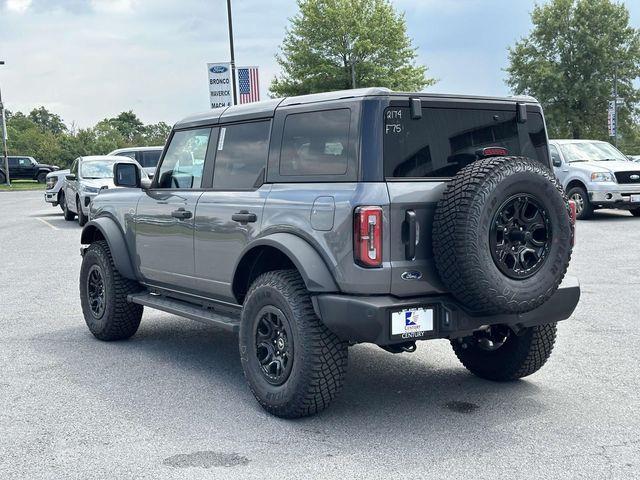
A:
(312, 223)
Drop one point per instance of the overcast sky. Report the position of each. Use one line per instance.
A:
(90, 59)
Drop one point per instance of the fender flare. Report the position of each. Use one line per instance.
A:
(313, 269)
(111, 232)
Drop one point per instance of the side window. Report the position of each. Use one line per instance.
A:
(149, 158)
(555, 155)
(74, 168)
(127, 154)
(315, 143)
(241, 156)
(24, 162)
(13, 162)
(182, 165)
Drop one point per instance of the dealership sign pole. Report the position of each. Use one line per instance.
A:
(220, 94)
(4, 139)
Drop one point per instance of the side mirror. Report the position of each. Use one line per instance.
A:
(557, 162)
(128, 175)
(70, 177)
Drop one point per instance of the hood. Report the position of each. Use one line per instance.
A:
(98, 182)
(58, 173)
(610, 166)
(46, 165)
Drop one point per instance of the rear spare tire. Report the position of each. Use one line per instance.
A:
(502, 235)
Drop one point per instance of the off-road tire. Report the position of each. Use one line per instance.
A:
(121, 319)
(68, 214)
(61, 200)
(82, 218)
(461, 235)
(41, 177)
(587, 209)
(520, 356)
(3, 178)
(635, 212)
(319, 358)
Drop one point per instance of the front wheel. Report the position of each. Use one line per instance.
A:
(68, 214)
(584, 208)
(103, 296)
(42, 177)
(499, 354)
(293, 363)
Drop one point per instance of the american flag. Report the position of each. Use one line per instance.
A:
(248, 84)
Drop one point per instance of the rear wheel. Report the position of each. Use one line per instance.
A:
(293, 363)
(3, 179)
(42, 177)
(68, 214)
(103, 296)
(584, 208)
(82, 218)
(501, 355)
(635, 212)
(61, 200)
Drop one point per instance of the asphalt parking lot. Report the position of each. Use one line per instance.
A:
(172, 401)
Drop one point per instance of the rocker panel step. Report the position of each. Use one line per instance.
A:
(228, 321)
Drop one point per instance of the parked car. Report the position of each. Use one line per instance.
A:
(26, 168)
(54, 193)
(146, 156)
(87, 177)
(312, 223)
(596, 175)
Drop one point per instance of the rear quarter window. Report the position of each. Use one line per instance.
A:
(315, 143)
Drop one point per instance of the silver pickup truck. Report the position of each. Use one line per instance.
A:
(596, 175)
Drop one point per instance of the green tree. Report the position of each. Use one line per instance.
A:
(47, 121)
(156, 133)
(341, 44)
(569, 60)
(128, 125)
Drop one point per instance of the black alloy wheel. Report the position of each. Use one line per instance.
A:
(96, 291)
(521, 236)
(274, 345)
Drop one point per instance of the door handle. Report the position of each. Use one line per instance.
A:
(412, 232)
(244, 217)
(181, 213)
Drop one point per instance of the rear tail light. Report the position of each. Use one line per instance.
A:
(573, 214)
(492, 152)
(367, 236)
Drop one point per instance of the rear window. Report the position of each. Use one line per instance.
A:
(315, 143)
(445, 140)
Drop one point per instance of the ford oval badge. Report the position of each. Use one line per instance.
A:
(635, 177)
(411, 275)
(218, 69)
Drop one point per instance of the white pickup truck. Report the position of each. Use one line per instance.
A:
(596, 175)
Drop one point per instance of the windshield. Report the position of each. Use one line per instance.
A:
(591, 151)
(97, 169)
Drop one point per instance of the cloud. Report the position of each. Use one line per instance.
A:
(113, 6)
(18, 6)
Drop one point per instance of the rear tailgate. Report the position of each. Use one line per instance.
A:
(424, 147)
(412, 206)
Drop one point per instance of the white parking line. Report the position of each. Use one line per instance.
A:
(47, 223)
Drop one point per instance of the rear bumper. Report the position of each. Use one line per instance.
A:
(368, 319)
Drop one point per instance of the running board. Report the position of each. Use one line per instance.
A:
(228, 321)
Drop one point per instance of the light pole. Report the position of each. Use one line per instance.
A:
(233, 57)
(4, 139)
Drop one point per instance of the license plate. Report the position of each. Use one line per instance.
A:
(412, 322)
(635, 198)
